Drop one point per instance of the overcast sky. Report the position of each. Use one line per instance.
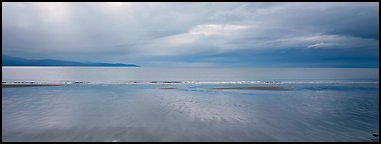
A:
(195, 34)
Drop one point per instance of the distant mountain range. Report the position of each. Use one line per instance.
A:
(16, 61)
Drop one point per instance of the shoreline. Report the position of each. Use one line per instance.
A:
(27, 85)
(251, 88)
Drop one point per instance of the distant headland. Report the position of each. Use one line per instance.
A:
(16, 61)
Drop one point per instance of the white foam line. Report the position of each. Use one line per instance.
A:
(195, 82)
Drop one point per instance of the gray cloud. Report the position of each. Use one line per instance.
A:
(144, 32)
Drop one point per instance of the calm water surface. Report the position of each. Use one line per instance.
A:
(130, 104)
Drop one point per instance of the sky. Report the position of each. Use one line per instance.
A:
(195, 34)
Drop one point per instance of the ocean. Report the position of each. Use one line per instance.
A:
(190, 104)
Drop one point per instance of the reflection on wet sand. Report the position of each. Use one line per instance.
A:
(252, 88)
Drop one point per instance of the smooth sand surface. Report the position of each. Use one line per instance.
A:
(251, 88)
(168, 88)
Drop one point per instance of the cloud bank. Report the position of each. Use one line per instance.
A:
(196, 34)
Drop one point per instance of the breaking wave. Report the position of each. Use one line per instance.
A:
(192, 82)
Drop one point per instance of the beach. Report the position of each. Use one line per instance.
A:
(231, 105)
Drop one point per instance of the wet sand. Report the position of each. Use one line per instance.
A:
(168, 88)
(251, 88)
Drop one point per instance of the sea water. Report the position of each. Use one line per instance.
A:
(181, 104)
